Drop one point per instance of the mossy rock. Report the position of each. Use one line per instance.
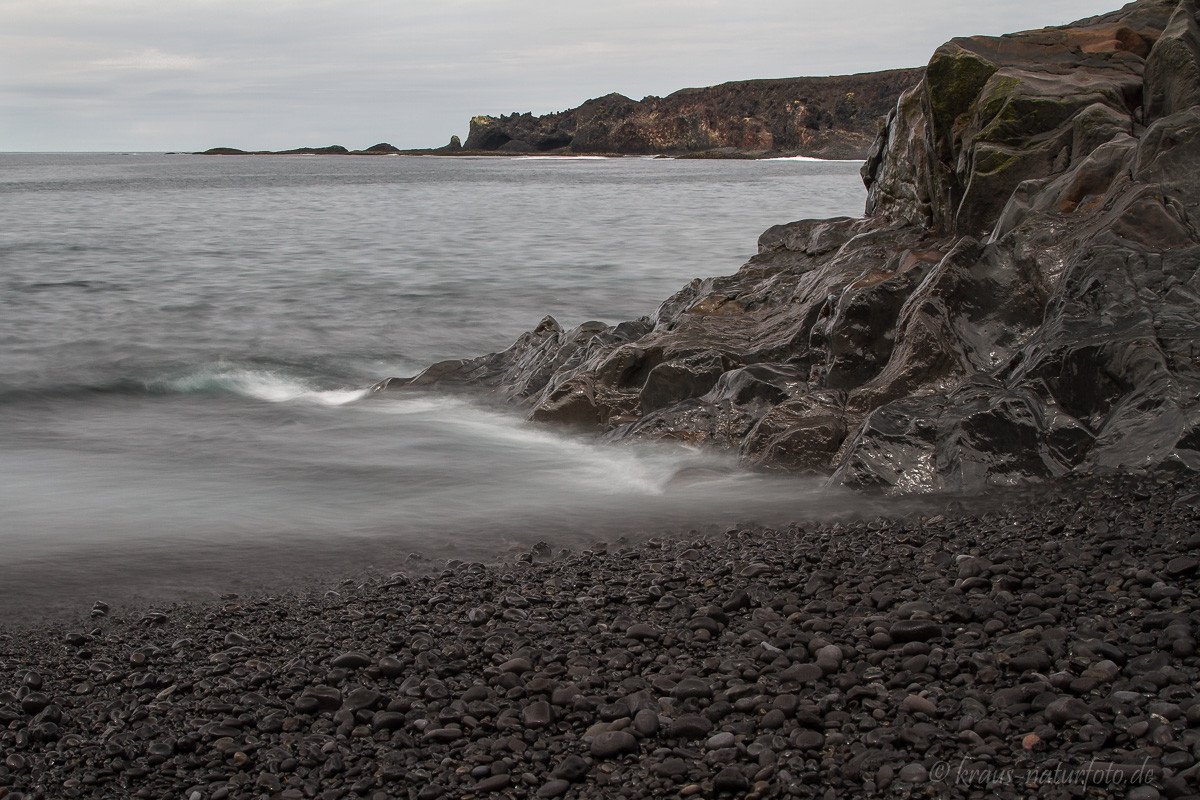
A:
(1023, 117)
(994, 96)
(991, 160)
(953, 80)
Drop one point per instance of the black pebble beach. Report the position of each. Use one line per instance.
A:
(1043, 646)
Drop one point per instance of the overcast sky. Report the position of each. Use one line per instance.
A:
(147, 75)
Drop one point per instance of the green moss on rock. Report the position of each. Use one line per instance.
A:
(953, 80)
(1024, 116)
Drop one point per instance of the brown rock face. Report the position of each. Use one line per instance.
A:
(1021, 301)
(834, 117)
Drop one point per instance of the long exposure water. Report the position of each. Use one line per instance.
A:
(186, 341)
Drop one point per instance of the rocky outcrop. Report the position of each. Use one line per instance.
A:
(832, 117)
(1020, 301)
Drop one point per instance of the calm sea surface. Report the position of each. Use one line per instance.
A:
(185, 343)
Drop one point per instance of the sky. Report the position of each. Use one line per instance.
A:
(161, 75)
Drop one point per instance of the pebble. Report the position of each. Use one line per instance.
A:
(829, 658)
(516, 666)
(643, 632)
(493, 784)
(351, 661)
(554, 788)
(1182, 565)
(391, 667)
(1066, 709)
(730, 779)
(572, 768)
(690, 726)
(645, 722)
(720, 740)
(914, 630)
(691, 687)
(613, 743)
(919, 705)
(537, 714)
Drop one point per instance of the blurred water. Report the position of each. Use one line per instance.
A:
(185, 344)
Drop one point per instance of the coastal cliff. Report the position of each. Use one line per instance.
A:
(829, 117)
(1020, 301)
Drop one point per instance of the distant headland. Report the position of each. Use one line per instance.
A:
(824, 117)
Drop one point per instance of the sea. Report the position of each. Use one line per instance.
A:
(187, 345)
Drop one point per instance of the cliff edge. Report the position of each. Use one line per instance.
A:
(1020, 301)
(830, 117)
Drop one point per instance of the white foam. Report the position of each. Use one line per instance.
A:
(582, 465)
(417, 404)
(277, 389)
(563, 158)
(810, 158)
(266, 385)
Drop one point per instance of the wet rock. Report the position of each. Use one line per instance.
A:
(1172, 76)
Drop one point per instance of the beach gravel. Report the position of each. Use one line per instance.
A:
(1035, 636)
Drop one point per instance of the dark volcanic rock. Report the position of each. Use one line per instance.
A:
(1021, 301)
(830, 117)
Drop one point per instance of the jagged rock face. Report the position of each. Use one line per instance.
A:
(834, 117)
(1021, 301)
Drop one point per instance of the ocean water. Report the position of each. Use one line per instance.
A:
(186, 344)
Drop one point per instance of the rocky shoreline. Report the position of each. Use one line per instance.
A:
(1042, 645)
(1019, 302)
